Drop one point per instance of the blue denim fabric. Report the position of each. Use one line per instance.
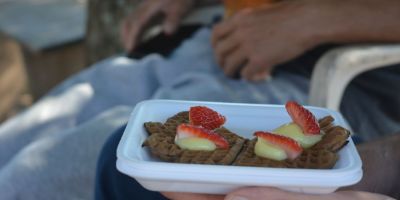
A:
(110, 183)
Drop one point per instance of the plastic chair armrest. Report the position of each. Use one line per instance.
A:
(335, 70)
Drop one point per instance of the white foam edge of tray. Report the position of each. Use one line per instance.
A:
(243, 119)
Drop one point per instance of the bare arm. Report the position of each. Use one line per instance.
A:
(255, 41)
(381, 165)
(358, 21)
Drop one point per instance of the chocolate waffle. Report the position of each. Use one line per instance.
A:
(334, 139)
(321, 156)
(310, 159)
(162, 145)
(241, 152)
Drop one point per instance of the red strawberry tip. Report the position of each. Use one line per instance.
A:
(303, 117)
(205, 117)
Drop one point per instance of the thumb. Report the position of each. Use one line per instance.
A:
(173, 17)
(171, 23)
(184, 196)
(258, 193)
(135, 23)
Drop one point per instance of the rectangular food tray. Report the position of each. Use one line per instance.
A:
(242, 119)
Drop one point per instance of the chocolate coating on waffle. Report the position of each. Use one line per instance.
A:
(162, 144)
(334, 139)
(241, 151)
(310, 159)
(320, 156)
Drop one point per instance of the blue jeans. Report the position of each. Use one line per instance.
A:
(110, 183)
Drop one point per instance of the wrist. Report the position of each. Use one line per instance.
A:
(353, 21)
(336, 22)
(324, 24)
(312, 21)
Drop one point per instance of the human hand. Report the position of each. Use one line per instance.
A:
(172, 12)
(185, 196)
(261, 193)
(252, 42)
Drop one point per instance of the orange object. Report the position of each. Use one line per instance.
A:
(233, 6)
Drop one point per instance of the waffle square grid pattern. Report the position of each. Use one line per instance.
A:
(322, 155)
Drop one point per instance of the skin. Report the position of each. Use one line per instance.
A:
(276, 194)
(171, 12)
(381, 164)
(376, 180)
(252, 42)
(243, 46)
(261, 193)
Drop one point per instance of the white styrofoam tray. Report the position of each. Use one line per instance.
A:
(243, 119)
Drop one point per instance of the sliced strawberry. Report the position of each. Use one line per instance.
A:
(205, 117)
(290, 146)
(187, 130)
(303, 117)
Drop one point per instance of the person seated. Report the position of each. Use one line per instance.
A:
(254, 43)
(66, 129)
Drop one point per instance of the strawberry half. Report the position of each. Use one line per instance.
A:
(205, 117)
(187, 130)
(303, 117)
(290, 146)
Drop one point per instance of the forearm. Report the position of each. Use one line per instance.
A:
(381, 164)
(357, 21)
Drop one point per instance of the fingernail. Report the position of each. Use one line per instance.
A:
(237, 198)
